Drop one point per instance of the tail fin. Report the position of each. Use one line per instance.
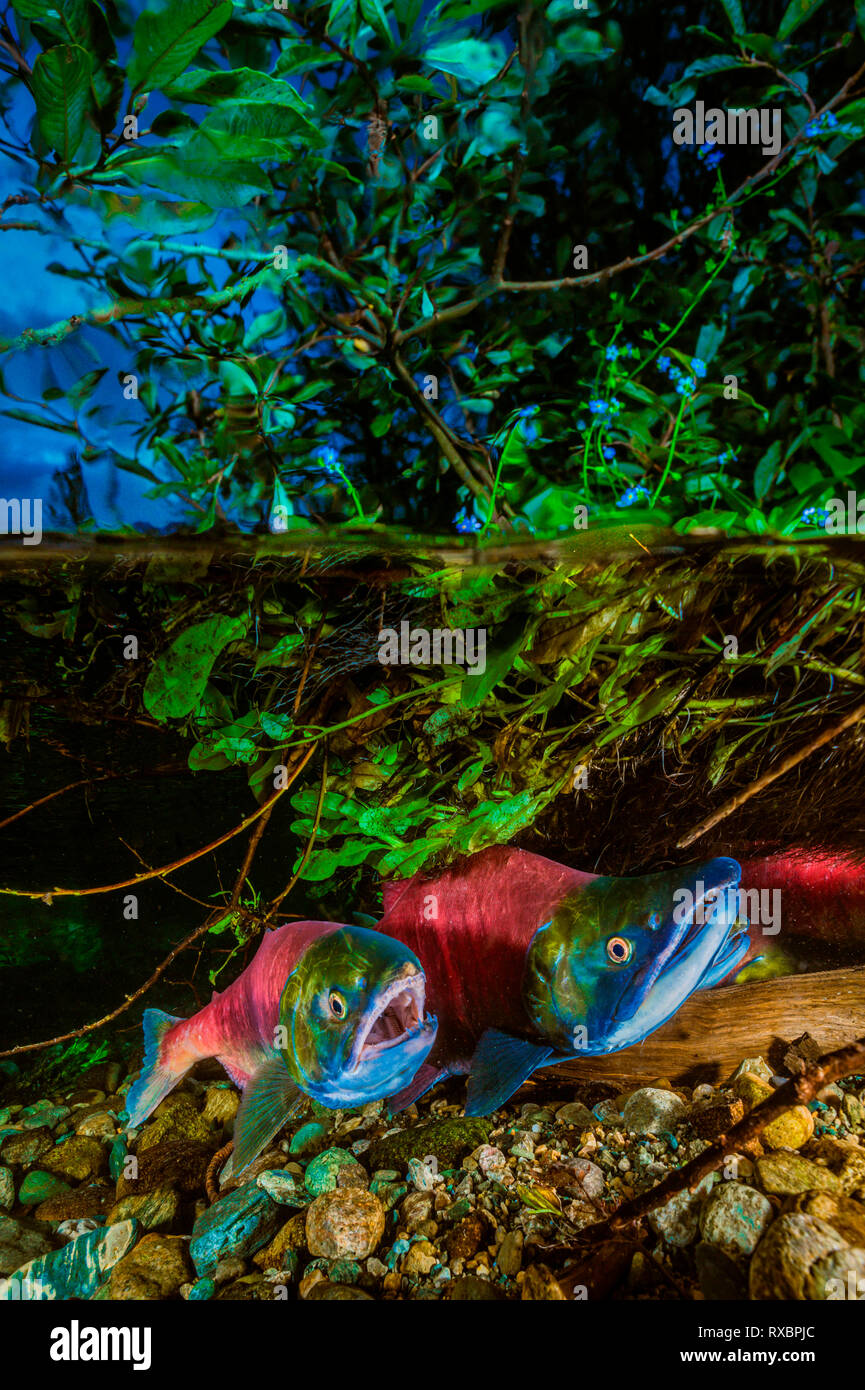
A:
(156, 1079)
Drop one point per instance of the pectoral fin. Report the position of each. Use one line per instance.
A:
(270, 1099)
(500, 1065)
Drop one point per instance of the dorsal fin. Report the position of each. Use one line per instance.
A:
(393, 889)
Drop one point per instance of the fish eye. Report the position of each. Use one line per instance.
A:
(619, 950)
(336, 1004)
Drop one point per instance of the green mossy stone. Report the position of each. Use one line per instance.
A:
(238, 1224)
(38, 1187)
(155, 1269)
(447, 1140)
(79, 1158)
(329, 1170)
(789, 1173)
(155, 1210)
(308, 1139)
(26, 1146)
(76, 1270)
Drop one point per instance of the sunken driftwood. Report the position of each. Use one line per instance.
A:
(717, 1028)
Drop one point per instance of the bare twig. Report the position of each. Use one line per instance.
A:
(799, 1091)
(309, 844)
(48, 893)
(772, 775)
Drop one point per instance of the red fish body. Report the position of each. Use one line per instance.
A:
(326, 1010)
(822, 895)
(237, 1026)
(477, 929)
(471, 928)
(526, 962)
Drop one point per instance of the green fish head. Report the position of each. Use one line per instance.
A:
(621, 955)
(353, 1018)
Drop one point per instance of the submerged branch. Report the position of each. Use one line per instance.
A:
(47, 894)
(786, 765)
(799, 1091)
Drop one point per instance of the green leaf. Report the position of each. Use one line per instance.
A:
(207, 87)
(805, 477)
(280, 653)
(646, 706)
(733, 10)
(199, 172)
(34, 9)
(407, 859)
(710, 339)
(61, 89)
(537, 1198)
(333, 806)
(417, 84)
(322, 864)
(582, 45)
(260, 130)
(378, 822)
(407, 12)
(167, 38)
(32, 417)
(236, 380)
(795, 14)
(767, 468)
(376, 17)
(472, 773)
(84, 388)
(204, 757)
(495, 823)
(764, 45)
(658, 98)
(380, 425)
(177, 682)
(277, 726)
(719, 62)
(355, 851)
(509, 644)
(842, 465)
(472, 61)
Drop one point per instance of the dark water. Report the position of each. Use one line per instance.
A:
(69, 962)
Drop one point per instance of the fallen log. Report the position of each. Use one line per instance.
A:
(717, 1028)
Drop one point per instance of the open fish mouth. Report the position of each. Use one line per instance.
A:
(398, 1017)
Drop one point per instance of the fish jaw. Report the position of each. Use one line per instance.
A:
(676, 929)
(392, 1040)
(593, 973)
(732, 952)
(698, 951)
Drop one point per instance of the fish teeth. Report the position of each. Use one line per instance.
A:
(416, 990)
